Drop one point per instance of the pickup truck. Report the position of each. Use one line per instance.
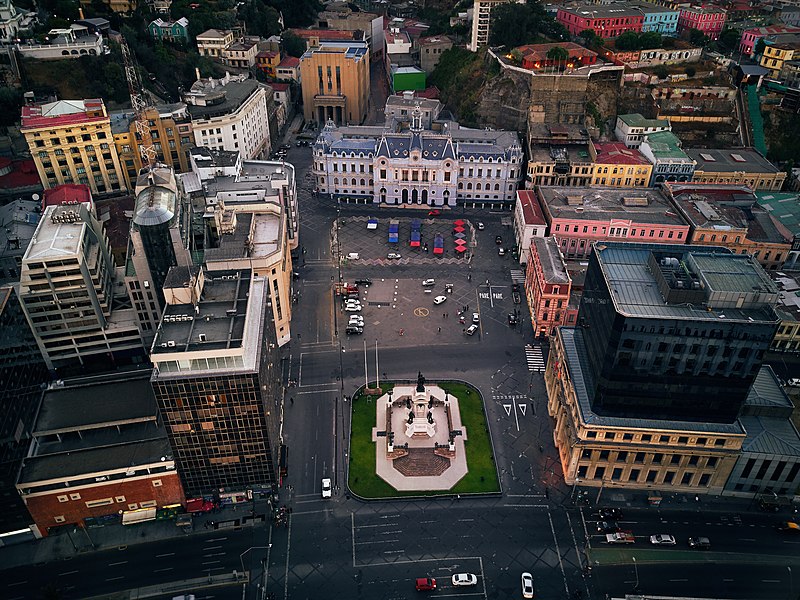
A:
(620, 537)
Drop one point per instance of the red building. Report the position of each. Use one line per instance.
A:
(607, 21)
(548, 287)
(534, 56)
(101, 456)
(709, 19)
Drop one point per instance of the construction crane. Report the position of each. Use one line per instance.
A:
(140, 101)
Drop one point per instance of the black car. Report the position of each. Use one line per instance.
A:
(285, 147)
(608, 527)
(512, 319)
(363, 282)
(609, 513)
(354, 330)
(498, 239)
(516, 297)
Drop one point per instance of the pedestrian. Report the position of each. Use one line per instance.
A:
(444, 315)
(291, 400)
(439, 330)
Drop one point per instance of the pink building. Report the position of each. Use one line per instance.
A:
(607, 21)
(578, 216)
(750, 37)
(709, 19)
(548, 288)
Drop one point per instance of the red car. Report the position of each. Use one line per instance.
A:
(434, 213)
(426, 584)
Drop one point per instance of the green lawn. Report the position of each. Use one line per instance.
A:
(481, 476)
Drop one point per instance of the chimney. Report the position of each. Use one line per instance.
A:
(80, 13)
(197, 73)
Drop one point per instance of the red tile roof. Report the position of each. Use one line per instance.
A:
(531, 211)
(32, 117)
(22, 175)
(432, 93)
(68, 192)
(266, 54)
(538, 52)
(617, 153)
(289, 61)
(279, 87)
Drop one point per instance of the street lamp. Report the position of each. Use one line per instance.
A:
(636, 572)
(791, 582)
(241, 556)
(574, 486)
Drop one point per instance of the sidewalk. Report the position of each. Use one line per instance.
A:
(74, 541)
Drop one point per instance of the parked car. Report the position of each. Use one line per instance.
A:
(793, 382)
(439, 299)
(498, 239)
(352, 308)
(464, 579)
(662, 539)
(428, 283)
(700, 543)
(480, 226)
(356, 320)
(393, 256)
(434, 213)
(471, 330)
(354, 330)
(512, 319)
(501, 251)
(326, 488)
(363, 281)
(516, 297)
(425, 584)
(285, 147)
(476, 318)
(352, 256)
(527, 585)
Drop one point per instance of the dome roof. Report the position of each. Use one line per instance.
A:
(154, 205)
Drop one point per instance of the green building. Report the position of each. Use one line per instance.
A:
(408, 78)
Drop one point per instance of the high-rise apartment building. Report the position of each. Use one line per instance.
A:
(215, 379)
(70, 295)
(482, 21)
(159, 240)
(170, 130)
(674, 332)
(71, 142)
(22, 373)
(336, 82)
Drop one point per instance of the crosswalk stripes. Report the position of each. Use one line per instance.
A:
(518, 276)
(534, 358)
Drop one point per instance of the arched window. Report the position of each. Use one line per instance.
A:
(425, 197)
(496, 187)
(478, 186)
(404, 195)
(460, 185)
(469, 185)
(414, 196)
(362, 182)
(335, 181)
(353, 181)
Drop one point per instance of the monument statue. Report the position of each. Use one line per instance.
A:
(420, 382)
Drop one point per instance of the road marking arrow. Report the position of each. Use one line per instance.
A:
(508, 409)
(522, 408)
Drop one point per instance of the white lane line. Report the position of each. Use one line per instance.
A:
(24, 582)
(163, 570)
(353, 536)
(65, 573)
(122, 562)
(211, 562)
(483, 577)
(286, 569)
(558, 553)
(165, 555)
(212, 547)
(115, 578)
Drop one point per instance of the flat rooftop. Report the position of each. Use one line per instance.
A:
(783, 206)
(577, 363)
(255, 236)
(59, 234)
(723, 279)
(640, 205)
(665, 145)
(637, 120)
(232, 94)
(725, 160)
(84, 407)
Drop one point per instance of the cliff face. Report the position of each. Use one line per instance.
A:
(503, 102)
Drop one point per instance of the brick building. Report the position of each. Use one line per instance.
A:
(548, 288)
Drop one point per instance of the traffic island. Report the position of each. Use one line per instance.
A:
(420, 439)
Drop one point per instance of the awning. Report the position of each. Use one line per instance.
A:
(132, 517)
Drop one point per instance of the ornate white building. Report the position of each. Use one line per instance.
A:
(406, 163)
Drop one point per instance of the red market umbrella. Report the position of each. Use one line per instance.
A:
(460, 248)
(460, 241)
(458, 229)
(458, 222)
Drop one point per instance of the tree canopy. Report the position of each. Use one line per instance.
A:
(518, 24)
(631, 40)
(292, 44)
(261, 18)
(558, 53)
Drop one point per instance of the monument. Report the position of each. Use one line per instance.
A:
(420, 438)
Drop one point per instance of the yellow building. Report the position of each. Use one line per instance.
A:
(71, 142)
(610, 452)
(117, 6)
(616, 165)
(336, 82)
(775, 55)
(213, 41)
(742, 166)
(171, 130)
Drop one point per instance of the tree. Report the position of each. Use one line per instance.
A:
(510, 25)
(10, 104)
(627, 41)
(759, 48)
(728, 40)
(697, 37)
(590, 38)
(650, 39)
(661, 72)
(292, 44)
(690, 71)
(557, 54)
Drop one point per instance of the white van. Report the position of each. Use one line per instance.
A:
(352, 256)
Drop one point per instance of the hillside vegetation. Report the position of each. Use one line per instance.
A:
(461, 76)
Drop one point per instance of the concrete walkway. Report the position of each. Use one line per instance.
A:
(384, 467)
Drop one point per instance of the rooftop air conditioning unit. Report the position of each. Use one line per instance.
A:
(171, 343)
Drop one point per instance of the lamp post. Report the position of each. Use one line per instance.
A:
(791, 583)
(241, 556)
(574, 486)
(636, 572)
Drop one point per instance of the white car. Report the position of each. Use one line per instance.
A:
(326, 488)
(471, 330)
(481, 226)
(527, 585)
(662, 539)
(353, 256)
(356, 320)
(465, 579)
(429, 283)
(352, 308)
(393, 256)
(439, 299)
(476, 318)
(794, 382)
